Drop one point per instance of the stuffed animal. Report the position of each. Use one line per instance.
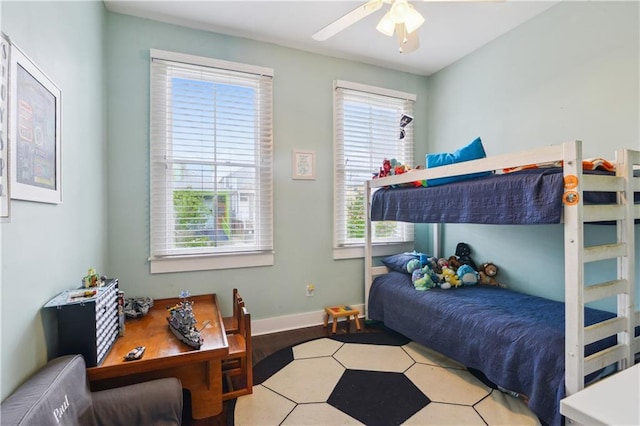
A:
(433, 262)
(454, 263)
(385, 170)
(421, 278)
(413, 264)
(488, 272)
(443, 263)
(463, 252)
(419, 262)
(451, 277)
(467, 275)
(394, 167)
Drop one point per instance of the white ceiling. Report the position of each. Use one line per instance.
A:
(453, 28)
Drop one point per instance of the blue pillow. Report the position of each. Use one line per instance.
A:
(398, 262)
(472, 151)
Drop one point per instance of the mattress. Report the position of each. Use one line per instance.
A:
(526, 197)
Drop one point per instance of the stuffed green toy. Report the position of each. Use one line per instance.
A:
(421, 278)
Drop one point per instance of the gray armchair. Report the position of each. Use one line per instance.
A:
(59, 394)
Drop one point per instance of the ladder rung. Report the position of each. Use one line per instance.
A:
(603, 290)
(603, 329)
(603, 183)
(603, 358)
(600, 213)
(605, 251)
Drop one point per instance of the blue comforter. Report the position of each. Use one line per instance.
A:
(515, 339)
(524, 197)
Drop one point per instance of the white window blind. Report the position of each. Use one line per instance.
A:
(211, 157)
(367, 131)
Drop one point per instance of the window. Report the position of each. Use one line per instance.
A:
(367, 130)
(211, 164)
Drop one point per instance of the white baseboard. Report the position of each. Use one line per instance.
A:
(292, 322)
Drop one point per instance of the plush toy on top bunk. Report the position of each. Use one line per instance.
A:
(394, 167)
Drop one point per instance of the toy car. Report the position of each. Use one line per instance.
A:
(135, 353)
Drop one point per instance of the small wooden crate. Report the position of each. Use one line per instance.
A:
(338, 312)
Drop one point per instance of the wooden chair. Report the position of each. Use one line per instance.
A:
(231, 324)
(237, 367)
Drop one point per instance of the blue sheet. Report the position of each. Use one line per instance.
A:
(526, 197)
(515, 339)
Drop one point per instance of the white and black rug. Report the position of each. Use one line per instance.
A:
(372, 379)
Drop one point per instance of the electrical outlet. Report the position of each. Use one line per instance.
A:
(310, 290)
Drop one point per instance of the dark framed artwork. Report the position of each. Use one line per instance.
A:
(35, 143)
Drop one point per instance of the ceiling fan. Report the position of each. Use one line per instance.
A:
(401, 18)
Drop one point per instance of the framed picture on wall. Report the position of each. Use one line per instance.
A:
(35, 142)
(303, 164)
(5, 51)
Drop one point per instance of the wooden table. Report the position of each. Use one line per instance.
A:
(614, 400)
(199, 370)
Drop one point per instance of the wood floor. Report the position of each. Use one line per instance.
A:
(265, 345)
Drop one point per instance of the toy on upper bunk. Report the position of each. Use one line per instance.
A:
(394, 167)
(596, 163)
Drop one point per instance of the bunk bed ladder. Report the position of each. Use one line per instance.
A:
(577, 295)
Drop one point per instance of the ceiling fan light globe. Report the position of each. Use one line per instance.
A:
(386, 25)
(399, 11)
(413, 19)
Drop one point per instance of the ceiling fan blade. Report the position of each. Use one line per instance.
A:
(350, 18)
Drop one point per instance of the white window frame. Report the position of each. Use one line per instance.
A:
(162, 261)
(356, 250)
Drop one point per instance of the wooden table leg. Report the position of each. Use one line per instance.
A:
(355, 317)
(206, 393)
(335, 324)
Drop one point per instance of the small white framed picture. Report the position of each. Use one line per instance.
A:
(303, 164)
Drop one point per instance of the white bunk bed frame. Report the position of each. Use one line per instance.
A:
(576, 255)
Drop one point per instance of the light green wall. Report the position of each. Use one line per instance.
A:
(302, 109)
(47, 248)
(570, 73)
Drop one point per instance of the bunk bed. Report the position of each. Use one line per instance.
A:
(542, 349)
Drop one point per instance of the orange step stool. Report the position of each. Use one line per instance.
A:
(339, 312)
